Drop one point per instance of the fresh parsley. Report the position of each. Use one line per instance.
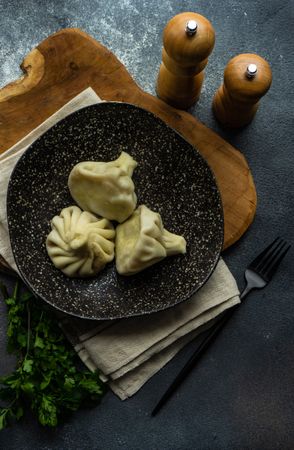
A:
(47, 378)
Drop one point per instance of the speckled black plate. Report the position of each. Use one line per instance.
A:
(172, 178)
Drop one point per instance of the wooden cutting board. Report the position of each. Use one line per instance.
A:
(69, 61)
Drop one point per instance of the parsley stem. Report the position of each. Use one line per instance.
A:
(29, 329)
(4, 291)
(15, 292)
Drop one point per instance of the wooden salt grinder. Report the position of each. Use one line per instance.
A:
(188, 40)
(247, 78)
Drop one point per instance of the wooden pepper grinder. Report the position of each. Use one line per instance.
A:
(188, 40)
(247, 78)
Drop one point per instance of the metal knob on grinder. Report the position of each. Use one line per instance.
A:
(191, 27)
(251, 71)
(247, 78)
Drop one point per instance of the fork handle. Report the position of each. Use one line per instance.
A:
(210, 336)
(245, 291)
(208, 339)
(212, 332)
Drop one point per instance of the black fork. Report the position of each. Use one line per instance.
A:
(262, 269)
(258, 274)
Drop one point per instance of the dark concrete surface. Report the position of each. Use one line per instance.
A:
(241, 396)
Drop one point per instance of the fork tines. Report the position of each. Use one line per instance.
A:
(267, 262)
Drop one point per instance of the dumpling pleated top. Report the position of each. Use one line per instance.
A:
(105, 188)
(80, 244)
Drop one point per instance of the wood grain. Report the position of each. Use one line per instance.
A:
(69, 61)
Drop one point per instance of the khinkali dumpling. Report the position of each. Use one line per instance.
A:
(80, 244)
(142, 241)
(106, 189)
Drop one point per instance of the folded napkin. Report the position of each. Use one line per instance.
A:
(127, 351)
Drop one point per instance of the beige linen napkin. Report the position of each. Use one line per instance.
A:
(128, 351)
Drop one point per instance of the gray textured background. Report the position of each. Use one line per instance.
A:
(242, 394)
